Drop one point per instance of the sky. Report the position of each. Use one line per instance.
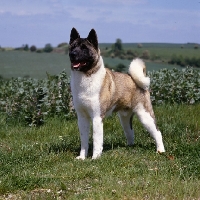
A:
(40, 22)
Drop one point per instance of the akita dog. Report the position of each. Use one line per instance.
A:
(98, 91)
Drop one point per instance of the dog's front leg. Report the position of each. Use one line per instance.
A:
(84, 128)
(97, 137)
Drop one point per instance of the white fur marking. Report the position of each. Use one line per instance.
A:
(136, 71)
(149, 124)
(86, 94)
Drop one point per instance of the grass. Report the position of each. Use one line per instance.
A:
(38, 163)
(26, 64)
(151, 66)
(22, 64)
(163, 50)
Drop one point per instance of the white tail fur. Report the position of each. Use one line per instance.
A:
(137, 70)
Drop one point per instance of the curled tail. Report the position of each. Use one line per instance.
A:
(137, 70)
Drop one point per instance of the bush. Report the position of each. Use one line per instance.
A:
(185, 61)
(175, 86)
(39, 50)
(146, 54)
(63, 44)
(48, 48)
(32, 101)
(33, 48)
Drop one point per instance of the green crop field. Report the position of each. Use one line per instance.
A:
(35, 65)
(151, 66)
(162, 50)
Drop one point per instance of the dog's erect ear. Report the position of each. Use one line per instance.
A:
(74, 35)
(92, 38)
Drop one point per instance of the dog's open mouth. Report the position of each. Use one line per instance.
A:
(77, 65)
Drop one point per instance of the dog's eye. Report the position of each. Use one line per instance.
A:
(83, 46)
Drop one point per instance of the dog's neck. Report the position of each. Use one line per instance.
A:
(95, 68)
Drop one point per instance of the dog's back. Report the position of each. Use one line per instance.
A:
(124, 91)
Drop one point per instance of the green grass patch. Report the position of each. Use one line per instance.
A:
(151, 66)
(31, 64)
(39, 163)
(35, 65)
(161, 50)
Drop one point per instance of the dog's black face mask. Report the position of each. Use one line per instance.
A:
(83, 52)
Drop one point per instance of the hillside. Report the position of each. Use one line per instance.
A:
(18, 63)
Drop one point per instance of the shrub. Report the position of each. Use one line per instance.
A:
(63, 44)
(39, 50)
(175, 86)
(33, 48)
(185, 61)
(48, 48)
(32, 101)
(146, 54)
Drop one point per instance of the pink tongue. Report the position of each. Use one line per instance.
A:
(76, 65)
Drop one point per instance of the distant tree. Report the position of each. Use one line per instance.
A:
(48, 48)
(117, 46)
(196, 46)
(25, 47)
(33, 48)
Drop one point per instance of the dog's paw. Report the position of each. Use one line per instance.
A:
(96, 156)
(161, 150)
(80, 157)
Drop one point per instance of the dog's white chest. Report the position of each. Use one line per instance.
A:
(86, 90)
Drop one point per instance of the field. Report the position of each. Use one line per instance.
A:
(35, 65)
(39, 163)
(162, 50)
(40, 137)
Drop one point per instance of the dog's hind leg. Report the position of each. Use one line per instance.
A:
(84, 128)
(148, 122)
(126, 122)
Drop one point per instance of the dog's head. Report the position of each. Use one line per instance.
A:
(83, 52)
